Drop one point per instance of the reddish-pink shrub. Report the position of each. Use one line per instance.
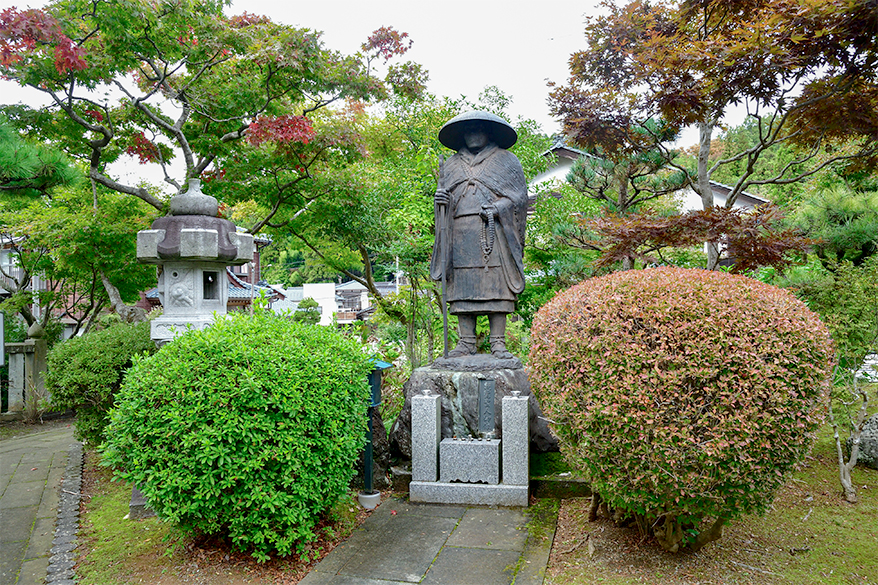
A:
(685, 395)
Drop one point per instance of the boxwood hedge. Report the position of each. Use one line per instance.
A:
(249, 429)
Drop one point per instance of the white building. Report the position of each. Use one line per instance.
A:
(347, 302)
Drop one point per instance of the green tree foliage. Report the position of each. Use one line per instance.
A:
(772, 161)
(220, 74)
(72, 241)
(685, 395)
(29, 169)
(308, 312)
(623, 182)
(288, 262)
(553, 258)
(247, 430)
(85, 373)
(843, 223)
(846, 298)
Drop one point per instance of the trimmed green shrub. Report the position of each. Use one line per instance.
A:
(249, 429)
(85, 373)
(684, 395)
(307, 312)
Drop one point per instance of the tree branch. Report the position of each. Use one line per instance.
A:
(119, 187)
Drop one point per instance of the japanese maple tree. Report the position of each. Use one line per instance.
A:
(804, 69)
(185, 81)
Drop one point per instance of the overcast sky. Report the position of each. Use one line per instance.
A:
(465, 46)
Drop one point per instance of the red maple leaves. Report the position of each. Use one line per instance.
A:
(281, 130)
(95, 115)
(752, 239)
(387, 42)
(145, 150)
(26, 31)
(69, 57)
(247, 19)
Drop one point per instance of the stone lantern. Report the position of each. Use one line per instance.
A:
(192, 247)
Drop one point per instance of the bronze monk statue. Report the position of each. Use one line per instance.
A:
(481, 207)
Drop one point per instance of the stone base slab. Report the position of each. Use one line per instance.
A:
(470, 460)
(468, 494)
(165, 328)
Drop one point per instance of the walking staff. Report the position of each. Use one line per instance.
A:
(443, 229)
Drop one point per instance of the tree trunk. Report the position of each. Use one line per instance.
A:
(596, 502)
(845, 467)
(669, 534)
(702, 183)
(411, 328)
(715, 532)
(128, 313)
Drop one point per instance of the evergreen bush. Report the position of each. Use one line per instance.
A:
(685, 395)
(84, 373)
(249, 429)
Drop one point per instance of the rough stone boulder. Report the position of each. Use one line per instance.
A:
(868, 444)
(459, 389)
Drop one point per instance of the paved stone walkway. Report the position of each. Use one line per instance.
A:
(403, 543)
(400, 543)
(31, 470)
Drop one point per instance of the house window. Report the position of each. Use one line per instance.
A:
(210, 285)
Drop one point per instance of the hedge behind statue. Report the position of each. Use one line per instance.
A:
(686, 395)
(249, 429)
(85, 373)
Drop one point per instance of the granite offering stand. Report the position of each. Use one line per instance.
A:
(192, 248)
(471, 471)
(457, 382)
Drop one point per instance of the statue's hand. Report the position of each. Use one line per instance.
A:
(488, 210)
(442, 197)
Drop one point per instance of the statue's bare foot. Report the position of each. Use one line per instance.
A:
(464, 348)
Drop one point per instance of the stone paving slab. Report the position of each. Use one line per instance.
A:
(314, 578)
(404, 542)
(17, 523)
(485, 528)
(472, 566)
(11, 555)
(401, 549)
(33, 571)
(31, 473)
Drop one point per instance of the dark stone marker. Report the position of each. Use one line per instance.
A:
(486, 406)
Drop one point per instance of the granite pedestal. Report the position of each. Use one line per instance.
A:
(462, 463)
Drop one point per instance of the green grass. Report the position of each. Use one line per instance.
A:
(809, 536)
(118, 548)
